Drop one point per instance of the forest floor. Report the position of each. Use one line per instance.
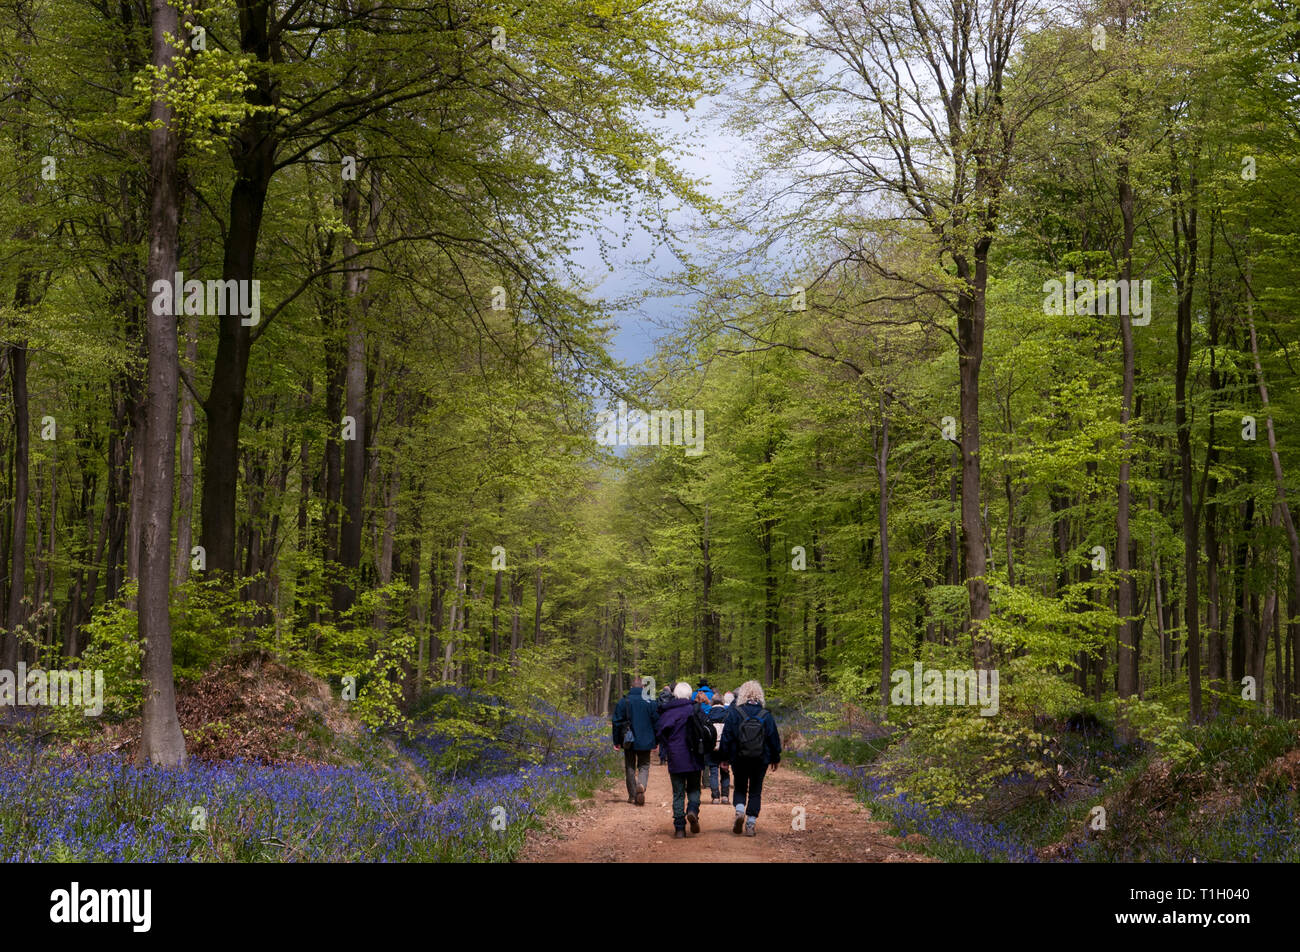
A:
(608, 829)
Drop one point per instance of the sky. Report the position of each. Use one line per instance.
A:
(713, 157)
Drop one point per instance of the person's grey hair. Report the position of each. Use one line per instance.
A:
(682, 690)
(749, 691)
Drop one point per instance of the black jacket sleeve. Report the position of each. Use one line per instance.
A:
(773, 741)
(619, 719)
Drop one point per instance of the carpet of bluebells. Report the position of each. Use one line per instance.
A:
(981, 841)
(103, 808)
(1256, 830)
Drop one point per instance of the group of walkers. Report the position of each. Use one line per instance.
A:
(733, 736)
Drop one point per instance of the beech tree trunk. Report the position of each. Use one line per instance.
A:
(16, 615)
(455, 623)
(354, 450)
(1293, 540)
(970, 339)
(161, 740)
(185, 503)
(1184, 261)
(882, 472)
(1126, 658)
(254, 164)
(537, 593)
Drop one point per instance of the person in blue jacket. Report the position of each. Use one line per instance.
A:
(749, 766)
(684, 765)
(708, 691)
(641, 717)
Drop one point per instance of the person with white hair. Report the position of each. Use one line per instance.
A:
(684, 762)
(752, 745)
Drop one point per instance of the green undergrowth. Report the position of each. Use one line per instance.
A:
(1225, 791)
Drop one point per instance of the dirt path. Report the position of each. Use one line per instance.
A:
(608, 829)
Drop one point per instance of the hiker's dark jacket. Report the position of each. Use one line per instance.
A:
(672, 733)
(644, 716)
(717, 717)
(731, 737)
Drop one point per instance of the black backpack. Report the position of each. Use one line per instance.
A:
(751, 734)
(700, 739)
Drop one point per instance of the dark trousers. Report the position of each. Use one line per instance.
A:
(686, 796)
(748, 775)
(636, 769)
(714, 770)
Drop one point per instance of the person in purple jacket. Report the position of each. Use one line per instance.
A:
(683, 765)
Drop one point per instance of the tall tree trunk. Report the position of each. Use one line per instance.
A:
(257, 140)
(185, 502)
(882, 473)
(769, 607)
(495, 646)
(1214, 607)
(119, 493)
(335, 386)
(354, 451)
(6, 522)
(184, 530)
(388, 541)
(1126, 657)
(454, 622)
(819, 614)
(16, 615)
(1057, 505)
(1167, 661)
(516, 605)
(437, 593)
(1185, 260)
(711, 633)
(161, 740)
(1241, 635)
(537, 594)
(1259, 649)
(53, 539)
(1293, 540)
(620, 625)
(1214, 614)
(970, 337)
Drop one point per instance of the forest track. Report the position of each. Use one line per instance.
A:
(608, 829)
